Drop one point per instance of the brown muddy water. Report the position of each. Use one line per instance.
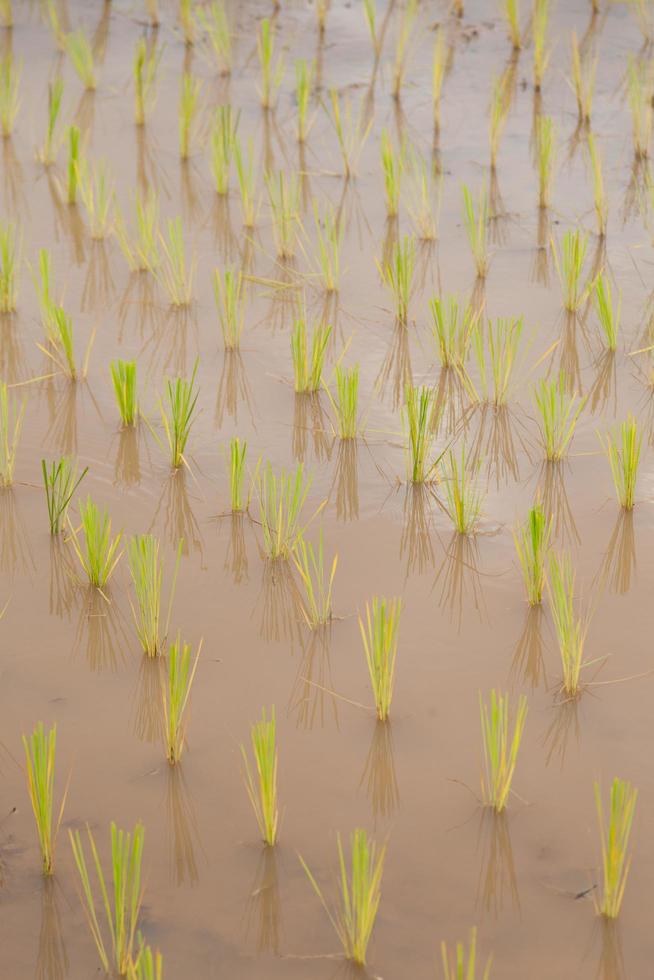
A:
(217, 903)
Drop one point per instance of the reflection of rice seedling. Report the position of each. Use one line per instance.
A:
(307, 366)
(558, 413)
(121, 894)
(80, 53)
(303, 85)
(146, 571)
(175, 275)
(145, 67)
(271, 76)
(503, 339)
(623, 449)
(512, 14)
(454, 964)
(97, 193)
(237, 453)
(452, 329)
(263, 793)
(464, 498)
(614, 838)
(40, 750)
(532, 543)
(546, 157)
(215, 24)
(476, 227)
(359, 893)
(570, 267)
(404, 36)
(600, 199)
(284, 198)
(379, 635)
(141, 250)
(499, 110)
(584, 68)
(223, 138)
(146, 966)
(424, 198)
(47, 153)
(392, 166)
(570, 628)
(370, 11)
(246, 182)
(281, 499)
(346, 402)
(60, 482)
(181, 672)
(439, 69)
(182, 397)
(11, 421)
(9, 264)
(123, 375)
(189, 100)
(310, 563)
(639, 93)
(397, 273)
(608, 317)
(418, 416)
(229, 292)
(329, 233)
(73, 161)
(98, 554)
(500, 746)
(351, 133)
(542, 51)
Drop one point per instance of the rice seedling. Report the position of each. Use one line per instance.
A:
(146, 571)
(570, 628)
(570, 267)
(351, 133)
(229, 292)
(263, 792)
(174, 273)
(501, 746)
(623, 449)
(11, 422)
(512, 15)
(452, 328)
(424, 188)
(98, 553)
(359, 893)
(322, 8)
(558, 415)
(643, 13)
(63, 354)
(181, 673)
(189, 102)
(500, 342)
(639, 94)
(6, 13)
(43, 286)
(499, 110)
(392, 167)
(237, 454)
(308, 362)
(152, 7)
(9, 266)
(317, 580)
(48, 151)
(329, 233)
(477, 228)
(96, 190)
(281, 499)
(40, 754)
(271, 74)
(73, 163)
(608, 317)
(60, 481)
(187, 20)
(615, 831)
(418, 415)
(147, 59)
(223, 137)
(379, 635)
(542, 52)
(284, 199)
(9, 93)
(397, 273)
(246, 183)
(178, 419)
(80, 53)
(600, 197)
(121, 894)
(215, 24)
(584, 68)
(457, 8)
(454, 964)
(54, 20)
(123, 376)
(532, 542)
(303, 86)
(141, 247)
(407, 24)
(439, 68)
(464, 497)
(345, 404)
(546, 158)
(146, 966)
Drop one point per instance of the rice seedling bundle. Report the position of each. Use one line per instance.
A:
(500, 343)
(140, 248)
(379, 632)
(608, 316)
(623, 448)
(60, 481)
(423, 192)
(146, 571)
(439, 67)
(346, 402)
(179, 414)
(11, 422)
(303, 86)
(584, 69)
(215, 23)
(43, 286)
(237, 454)
(262, 791)
(370, 12)
(542, 51)
(271, 73)
(64, 341)
(246, 182)
(146, 966)
(452, 327)
(9, 94)
(397, 273)
(187, 20)
(511, 10)
(123, 376)
(329, 233)
(308, 361)
(499, 111)
(317, 579)
(615, 832)
(98, 552)
(461, 964)
(500, 746)
(532, 542)
(407, 24)
(351, 132)
(48, 151)
(464, 497)
(322, 8)
(570, 627)
(147, 59)
(6, 13)
(392, 167)
(73, 163)
(600, 197)
(55, 25)
(40, 755)
(181, 673)
(80, 53)
(570, 267)
(476, 222)
(223, 137)
(96, 189)
(558, 415)
(9, 266)
(281, 499)
(284, 199)
(546, 156)
(176, 274)
(418, 416)
(230, 294)
(640, 81)
(189, 103)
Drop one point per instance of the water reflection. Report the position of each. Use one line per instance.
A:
(497, 876)
(263, 910)
(182, 828)
(378, 776)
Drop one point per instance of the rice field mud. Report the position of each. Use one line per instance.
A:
(402, 252)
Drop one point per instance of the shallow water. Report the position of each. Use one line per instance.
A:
(217, 903)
